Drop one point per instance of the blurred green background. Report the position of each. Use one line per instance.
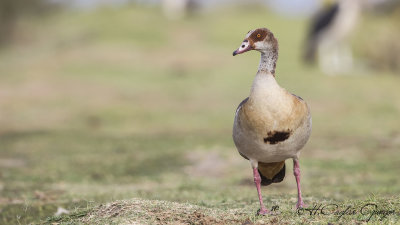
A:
(116, 101)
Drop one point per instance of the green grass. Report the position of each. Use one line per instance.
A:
(121, 116)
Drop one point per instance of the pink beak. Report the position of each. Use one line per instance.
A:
(244, 47)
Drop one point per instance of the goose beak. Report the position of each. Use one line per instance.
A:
(244, 47)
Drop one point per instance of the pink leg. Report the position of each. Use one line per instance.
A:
(257, 181)
(296, 172)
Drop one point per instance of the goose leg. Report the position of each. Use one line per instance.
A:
(257, 181)
(296, 172)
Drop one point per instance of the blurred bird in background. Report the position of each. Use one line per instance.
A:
(328, 34)
(177, 9)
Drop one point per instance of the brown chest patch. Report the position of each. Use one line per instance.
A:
(275, 137)
(272, 123)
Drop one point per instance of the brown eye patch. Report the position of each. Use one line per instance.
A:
(258, 35)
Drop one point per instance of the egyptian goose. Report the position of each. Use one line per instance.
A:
(271, 125)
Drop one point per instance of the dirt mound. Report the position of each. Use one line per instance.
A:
(139, 211)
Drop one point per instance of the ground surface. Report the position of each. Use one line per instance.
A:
(120, 116)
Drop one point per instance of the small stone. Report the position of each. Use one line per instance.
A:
(61, 211)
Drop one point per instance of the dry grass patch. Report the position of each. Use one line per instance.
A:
(139, 211)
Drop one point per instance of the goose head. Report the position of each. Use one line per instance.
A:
(260, 39)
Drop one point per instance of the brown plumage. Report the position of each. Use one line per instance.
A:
(288, 117)
(271, 172)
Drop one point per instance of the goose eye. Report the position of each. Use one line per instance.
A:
(258, 35)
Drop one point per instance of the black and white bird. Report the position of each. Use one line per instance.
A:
(327, 36)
